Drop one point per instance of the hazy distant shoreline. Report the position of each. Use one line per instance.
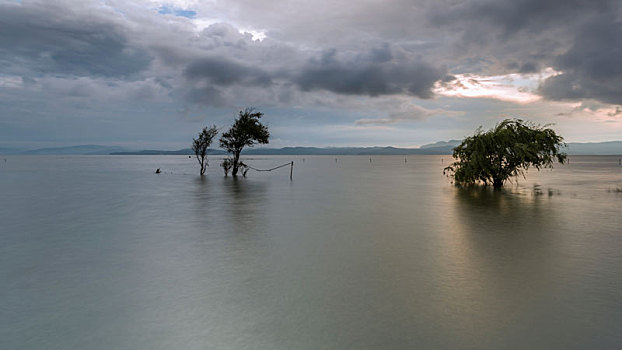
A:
(440, 148)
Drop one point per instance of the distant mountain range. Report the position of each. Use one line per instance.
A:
(81, 149)
(305, 151)
(441, 147)
(595, 148)
(442, 144)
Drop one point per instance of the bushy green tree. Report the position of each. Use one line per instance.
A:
(507, 150)
(200, 145)
(247, 130)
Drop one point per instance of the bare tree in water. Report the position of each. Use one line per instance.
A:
(200, 145)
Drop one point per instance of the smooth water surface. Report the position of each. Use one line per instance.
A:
(98, 252)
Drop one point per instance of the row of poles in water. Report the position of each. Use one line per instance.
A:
(291, 164)
(370, 160)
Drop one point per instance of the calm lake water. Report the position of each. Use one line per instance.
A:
(98, 252)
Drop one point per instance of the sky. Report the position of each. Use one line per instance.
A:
(150, 73)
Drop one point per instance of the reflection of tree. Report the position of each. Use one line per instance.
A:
(206, 208)
(235, 249)
(486, 210)
(229, 204)
(504, 225)
(202, 194)
(504, 244)
(246, 201)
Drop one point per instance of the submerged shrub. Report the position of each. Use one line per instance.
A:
(507, 150)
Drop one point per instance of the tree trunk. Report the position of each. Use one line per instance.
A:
(236, 159)
(497, 183)
(202, 163)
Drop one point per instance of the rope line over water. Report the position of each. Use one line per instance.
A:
(280, 166)
(291, 169)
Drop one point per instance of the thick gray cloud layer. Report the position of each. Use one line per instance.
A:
(225, 72)
(406, 49)
(592, 66)
(376, 74)
(364, 56)
(579, 38)
(48, 40)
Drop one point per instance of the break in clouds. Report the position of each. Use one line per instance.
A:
(388, 60)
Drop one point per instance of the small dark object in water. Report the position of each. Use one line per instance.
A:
(189, 156)
(158, 171)
(536, 190)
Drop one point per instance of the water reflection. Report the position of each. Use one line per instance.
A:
(502, 258)
(346, 256)
(246, 204)
(206, 197)
(234, 205)
(502, 226)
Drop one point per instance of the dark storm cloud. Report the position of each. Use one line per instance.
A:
(580, 38)
(592, 67)
(140, 60)
(372, 72)
(529, 67)
(377, 74)
(225, 72)
(207, 95)
(510, 16)
(34, 42)
(208, 77)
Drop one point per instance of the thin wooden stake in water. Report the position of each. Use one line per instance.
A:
(291, 171)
